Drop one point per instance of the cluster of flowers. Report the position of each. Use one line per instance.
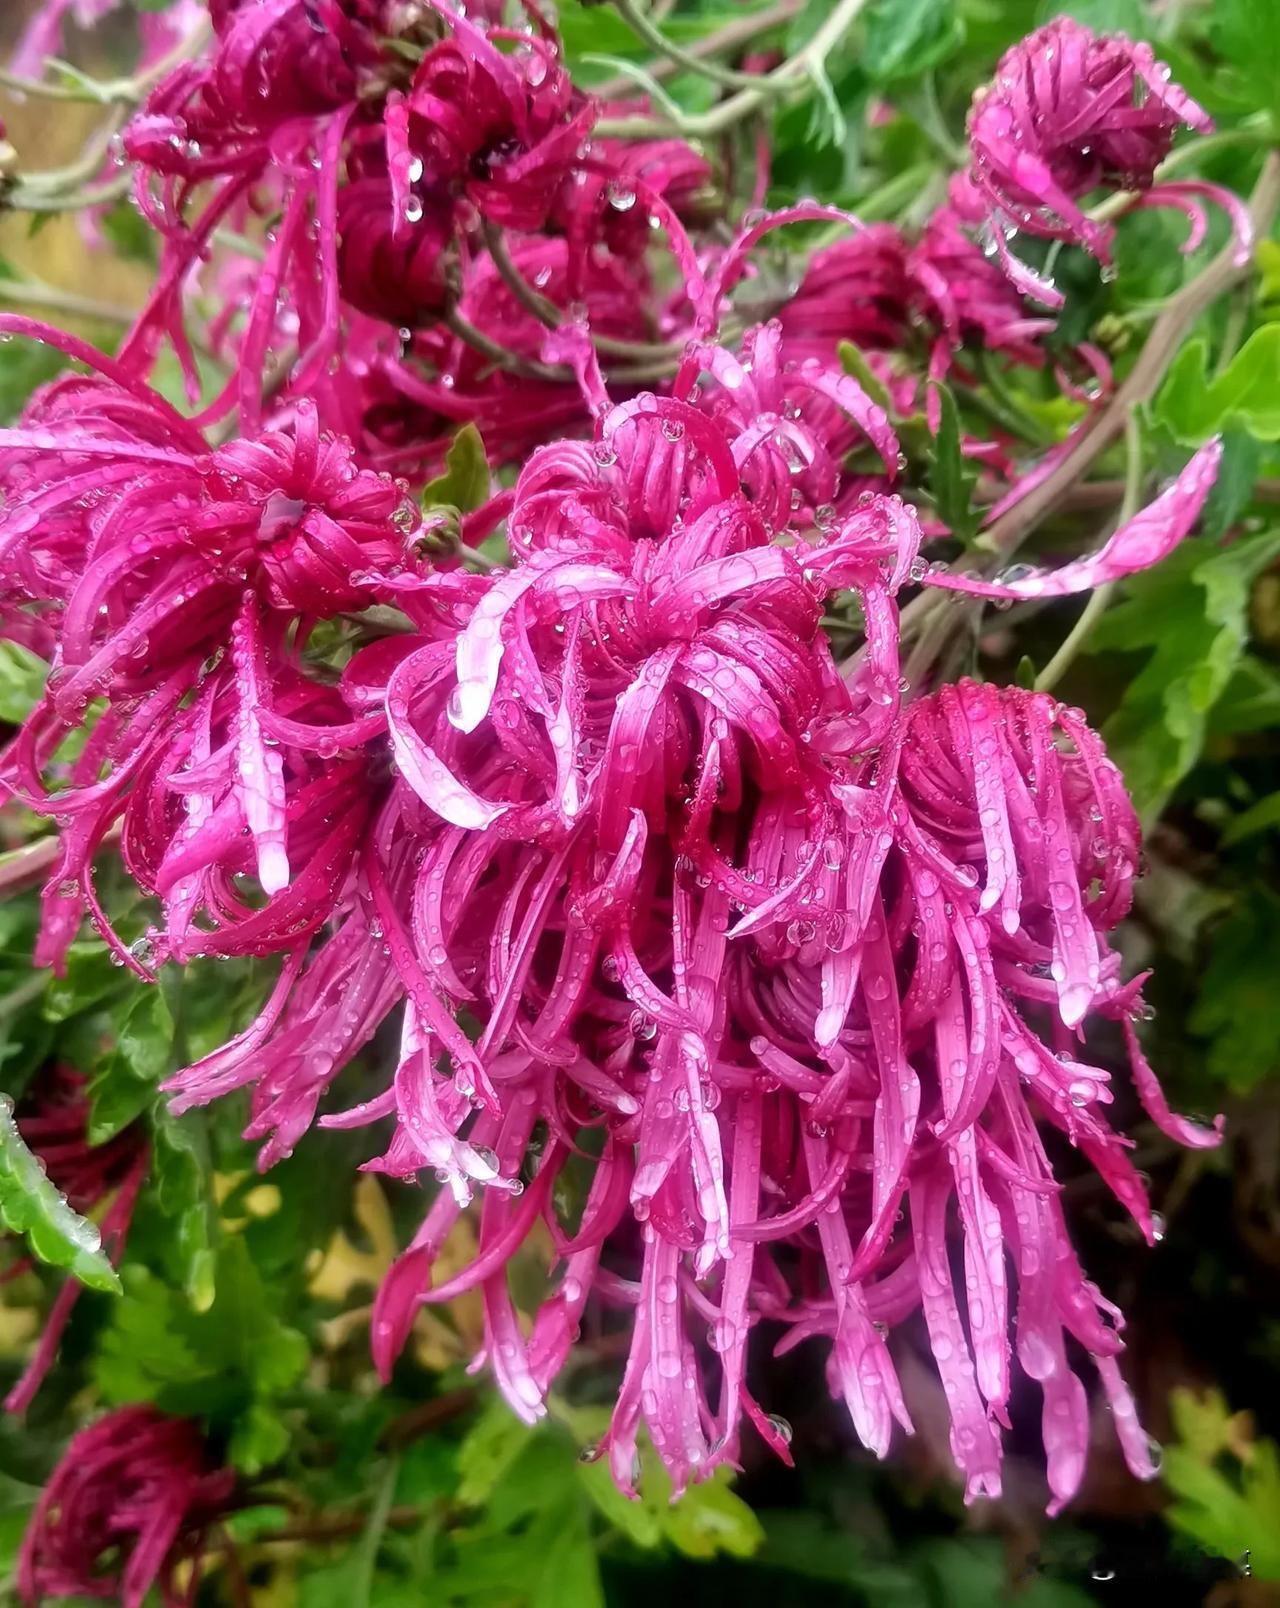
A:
(650, 881)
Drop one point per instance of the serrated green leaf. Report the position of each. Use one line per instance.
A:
(1246, 394)
(230, 1363)
(465, 483)
(31, 1205)
(1235, 1006)
(1192, 611)
(951, 477)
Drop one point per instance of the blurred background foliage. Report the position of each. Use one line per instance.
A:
(246, 1300)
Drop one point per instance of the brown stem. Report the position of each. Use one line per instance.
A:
(429, 1416)
(1140, 385)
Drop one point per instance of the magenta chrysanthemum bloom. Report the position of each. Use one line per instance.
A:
(501, 128)
(174, 571)
(126, 1509)
(1068, 111)
(789, 961)
(261, 122)
(53, 1122)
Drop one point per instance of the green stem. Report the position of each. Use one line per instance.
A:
(367, 1548)
(1101, 597)
(643, 28)
(30, 293)
(746, 102)
(733, 36)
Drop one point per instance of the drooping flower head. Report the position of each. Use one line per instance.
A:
(127, 1508)
(499, 128)
(1068, 111)
(729, 921)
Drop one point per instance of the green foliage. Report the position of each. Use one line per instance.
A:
(219, 1316)
(951, 476)
(1235, 1007)
(22, 676)
(1226, 1485)
(1245, 394)
(465, 483)
(1192, 612)
(31, 1205)
(1244, 34)
(234, 1363)
(906, 38)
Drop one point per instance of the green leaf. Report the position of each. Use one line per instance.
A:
(1246, 393)
(31, 1205)
(1235, 1006)
(22, 677)
(145, 1036)
(492, 1446)
(24, 365)
(855, 364)
(1260, 817)
(951, 477)
(1232, 491)
(464, 485)
(1244, 34)
(905, 38)
(182, 1170)
(230, 1364)
(130, 234)
(709, 1518)
(1227, 1487)
(1192, 611)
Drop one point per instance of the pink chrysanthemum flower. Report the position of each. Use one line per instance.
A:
(1070, 111)
(100, 1179)
(787, 961)
(136, 1487)
(501, 129)
(174, 570)
(261, 122)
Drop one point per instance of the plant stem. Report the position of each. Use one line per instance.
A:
(478, 341)
(1101, 597)
(1163, 343)
(366, 1551)
(548, 314)
(31, 293)
(746, 102)
(641, 25)
(742, 31)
